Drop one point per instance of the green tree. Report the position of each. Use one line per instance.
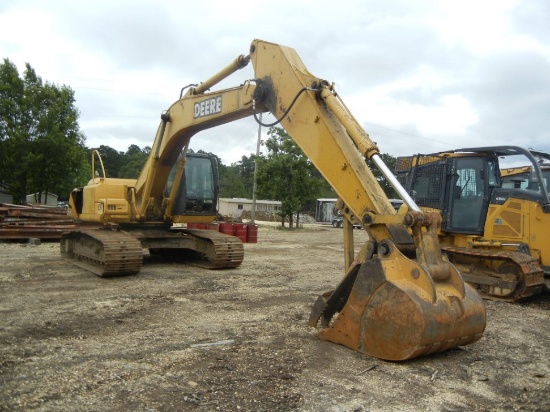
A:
(42, 148)
(231, 183)
(245, 168)
(14, 139)
(237, 179)
(112, 160)
(58, 149)
(286, 174)
(132, 162)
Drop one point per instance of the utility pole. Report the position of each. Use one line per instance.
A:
(254, 185)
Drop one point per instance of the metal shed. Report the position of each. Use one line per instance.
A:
(5, 195)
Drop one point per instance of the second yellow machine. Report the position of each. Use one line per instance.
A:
(399, 297)
(496, 214)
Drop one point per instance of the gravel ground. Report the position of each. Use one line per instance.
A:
(181, 338)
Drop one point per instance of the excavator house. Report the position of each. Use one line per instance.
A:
(399, 297)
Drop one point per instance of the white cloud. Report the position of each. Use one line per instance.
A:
(479, 26)
(445, 74)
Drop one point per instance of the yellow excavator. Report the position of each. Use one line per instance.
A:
(399, 298)
(496, 219)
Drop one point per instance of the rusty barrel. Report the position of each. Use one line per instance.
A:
(226, 228)
(251, 233)
(240, 231)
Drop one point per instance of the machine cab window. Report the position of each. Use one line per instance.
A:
(468, 198)
(198, 191)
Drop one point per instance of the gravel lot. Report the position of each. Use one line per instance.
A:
(181, 338)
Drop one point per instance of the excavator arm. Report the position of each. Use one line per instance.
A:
(399, 297)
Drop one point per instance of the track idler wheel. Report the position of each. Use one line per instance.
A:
(392, 309)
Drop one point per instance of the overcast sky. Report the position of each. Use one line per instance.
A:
(420, 76)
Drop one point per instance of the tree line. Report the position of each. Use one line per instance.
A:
(41, 146)
(42, 150)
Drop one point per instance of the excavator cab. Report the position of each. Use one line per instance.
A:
(198, 190)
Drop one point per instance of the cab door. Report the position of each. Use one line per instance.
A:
(468, 198)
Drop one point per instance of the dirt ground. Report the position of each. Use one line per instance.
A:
(181, 338)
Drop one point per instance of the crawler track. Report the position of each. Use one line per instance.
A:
(220, 251)
(115, 252)
(509, 276)
(103, 252)
(205, 248)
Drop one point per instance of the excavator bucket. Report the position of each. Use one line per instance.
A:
(390, 307)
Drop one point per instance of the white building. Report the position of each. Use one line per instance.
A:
(5, 196)
(48, 199)
(235, 207)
